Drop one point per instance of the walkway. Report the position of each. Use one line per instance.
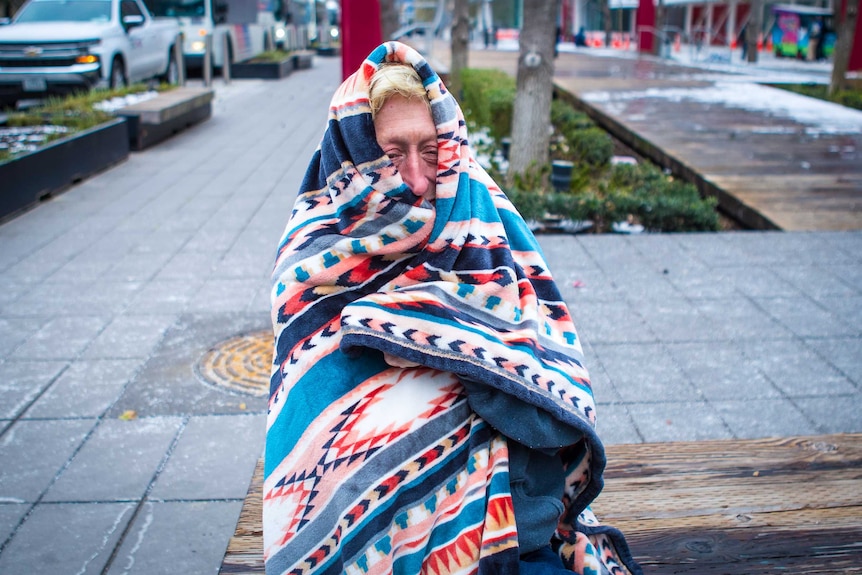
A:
(117, 458)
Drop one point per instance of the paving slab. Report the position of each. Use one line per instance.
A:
(119, 462)
(177, 537)
(765, 418)
(677, 421)
(23, 382)
(85, 390)
(212, 446)
(82, 539)
(62, 338)
(11, 515)
(34, 453)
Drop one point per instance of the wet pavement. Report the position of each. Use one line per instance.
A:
(125, 300)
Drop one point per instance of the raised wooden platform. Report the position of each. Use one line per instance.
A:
(745, 507)
(154, 120)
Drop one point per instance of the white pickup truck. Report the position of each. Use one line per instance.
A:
(60, 46)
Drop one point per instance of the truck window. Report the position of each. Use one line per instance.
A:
(130, 8)
(176, 8)
(66, 11)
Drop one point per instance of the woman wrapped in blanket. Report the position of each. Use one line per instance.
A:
(429, 408)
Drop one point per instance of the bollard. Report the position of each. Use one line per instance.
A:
(268, 45)
(180, 60)
(225, 61)
(561, 175)
(207, 70)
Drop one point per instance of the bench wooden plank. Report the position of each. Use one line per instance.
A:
(748, 507)
(751, 507)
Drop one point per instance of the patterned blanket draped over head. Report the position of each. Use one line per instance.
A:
(378, 469)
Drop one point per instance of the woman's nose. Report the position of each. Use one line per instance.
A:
(413, 174)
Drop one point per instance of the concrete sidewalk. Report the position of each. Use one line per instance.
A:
(117, 458)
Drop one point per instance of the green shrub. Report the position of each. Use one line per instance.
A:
(599, 191)
(488, 99)
(851, 98)
(566, 119)
(276, 56)
(591, 146)
(675, 206)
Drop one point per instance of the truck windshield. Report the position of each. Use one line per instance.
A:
(66, 11)
(176, 8)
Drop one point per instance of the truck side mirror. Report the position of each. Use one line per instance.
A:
(221, 12)
(132, 20)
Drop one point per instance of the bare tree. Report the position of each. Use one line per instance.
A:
(841, 55)
(388, 19)
(607, 22)
(531, 119)
(460, 45)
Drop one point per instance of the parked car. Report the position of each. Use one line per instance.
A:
(60, 46)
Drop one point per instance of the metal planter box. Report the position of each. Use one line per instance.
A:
(263, 70)
(29, 178)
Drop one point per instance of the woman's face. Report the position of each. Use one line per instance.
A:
(407, 134)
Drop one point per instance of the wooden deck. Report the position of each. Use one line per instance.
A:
(746, 507)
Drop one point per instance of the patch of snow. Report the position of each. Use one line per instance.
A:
(114, 104)
(824, 117)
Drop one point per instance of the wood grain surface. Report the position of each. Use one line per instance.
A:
(746, 507)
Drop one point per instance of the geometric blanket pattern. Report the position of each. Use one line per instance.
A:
(371, 468)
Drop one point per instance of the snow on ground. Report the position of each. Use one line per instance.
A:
(739, 84)
(822, 117)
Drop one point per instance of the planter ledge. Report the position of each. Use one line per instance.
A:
(156, 119)
(29, 178)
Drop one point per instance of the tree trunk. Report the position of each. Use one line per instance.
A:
(661, 38)
(608, 23)
(460, 45)
(531, 119)
(388, 19)
(752, 30)
(841, 55)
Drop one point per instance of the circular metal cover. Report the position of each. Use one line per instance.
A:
(240, 364)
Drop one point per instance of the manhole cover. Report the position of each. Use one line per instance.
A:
(240, 364)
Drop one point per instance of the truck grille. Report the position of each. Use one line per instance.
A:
(41, 55)
(35, 62)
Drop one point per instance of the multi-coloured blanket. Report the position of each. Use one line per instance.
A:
(378, 469)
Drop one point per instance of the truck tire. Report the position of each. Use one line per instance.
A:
(118, 74)
(172, 72)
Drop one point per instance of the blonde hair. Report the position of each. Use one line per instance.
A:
(395, 79)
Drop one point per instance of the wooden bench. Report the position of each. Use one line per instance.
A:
(154, 120)
(747, 507)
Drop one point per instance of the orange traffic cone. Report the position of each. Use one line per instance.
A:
(677, 43)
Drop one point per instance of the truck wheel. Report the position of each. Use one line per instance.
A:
(172, 73)
(118, 73)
